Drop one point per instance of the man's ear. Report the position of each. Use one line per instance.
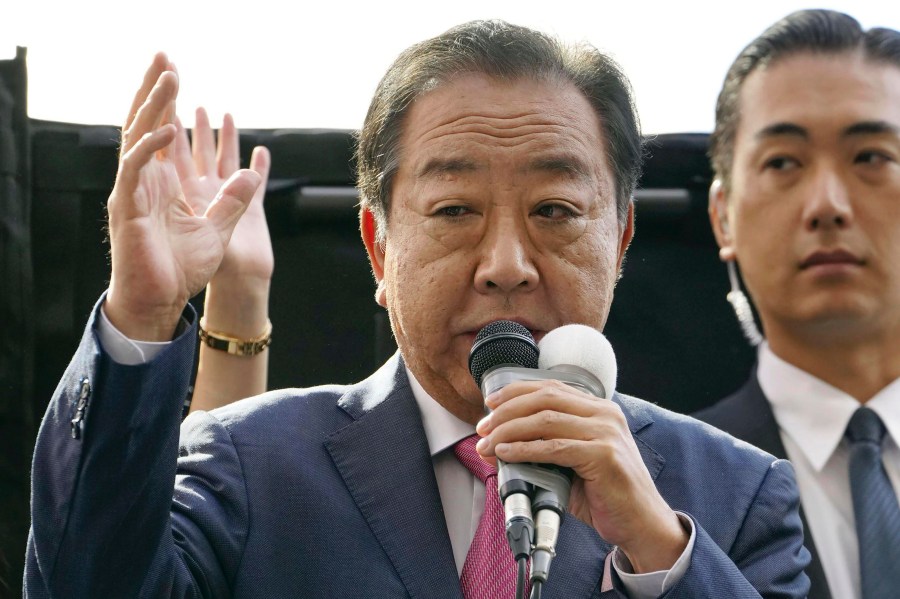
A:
(369, 230)
(627, 234)
(718, 218)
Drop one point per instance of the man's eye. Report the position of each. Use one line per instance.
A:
(554, 212)
(452, 211)
(781, 163)
(872, 157)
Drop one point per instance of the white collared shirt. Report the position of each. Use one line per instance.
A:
(812, 417)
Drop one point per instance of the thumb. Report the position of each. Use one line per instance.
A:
(232, 200)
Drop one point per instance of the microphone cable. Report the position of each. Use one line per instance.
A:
(521, 577)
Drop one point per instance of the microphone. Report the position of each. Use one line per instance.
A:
(582, 357)
(505, 351)
(578, 355)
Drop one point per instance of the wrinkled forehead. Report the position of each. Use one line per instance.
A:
(476, 117)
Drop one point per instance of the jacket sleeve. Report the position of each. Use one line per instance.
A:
(104, 519)
(767, 558)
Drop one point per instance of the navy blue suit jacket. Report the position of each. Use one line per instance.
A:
(330, 492)
(747, 415)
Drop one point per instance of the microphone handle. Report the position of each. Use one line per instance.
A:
(547, 486)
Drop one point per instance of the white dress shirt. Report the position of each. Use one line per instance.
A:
(812, 417)
(462, 494)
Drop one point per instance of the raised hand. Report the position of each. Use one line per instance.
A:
(165, 245)
(203, 168)
(237, 297)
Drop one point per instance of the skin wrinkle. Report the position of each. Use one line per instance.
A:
(504, 251)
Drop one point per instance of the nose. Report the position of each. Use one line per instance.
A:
(506, 259)
(828, 205)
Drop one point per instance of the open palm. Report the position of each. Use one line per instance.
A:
(165, 244)
(203, 170)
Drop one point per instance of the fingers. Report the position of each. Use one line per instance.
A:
(181, 153)
(232, 200)
(160, 63)
(227, 156)
(152, 111)
(261, 162)
(204, 147)
(547, 421)
(532, 396)
(139, 155)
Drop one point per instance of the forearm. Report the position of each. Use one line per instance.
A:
(238, 307)
(109, 486)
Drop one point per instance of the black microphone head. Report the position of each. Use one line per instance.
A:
(502, 343)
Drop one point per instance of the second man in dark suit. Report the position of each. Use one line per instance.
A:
(806, 200)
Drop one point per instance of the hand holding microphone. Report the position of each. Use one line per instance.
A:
(505, 352)
(545, 421)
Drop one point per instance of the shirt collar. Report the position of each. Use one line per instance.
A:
(442, 429)
(817, 427)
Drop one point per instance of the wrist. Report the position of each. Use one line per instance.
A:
(237, 306)
(660, 547)
(142, 323)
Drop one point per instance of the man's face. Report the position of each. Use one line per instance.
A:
(503, 207)
(813, 214)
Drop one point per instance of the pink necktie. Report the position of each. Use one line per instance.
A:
(489, 571)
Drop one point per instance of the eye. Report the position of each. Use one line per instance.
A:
(554, 212)
(781, 163)
(452, 211)
(872, 157)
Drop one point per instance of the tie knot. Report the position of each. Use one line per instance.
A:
(865, 427)
(466, 454)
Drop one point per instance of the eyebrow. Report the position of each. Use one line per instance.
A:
(782, 129)
(871, 128)
(856, 129)
(570, 166)
(447, 166)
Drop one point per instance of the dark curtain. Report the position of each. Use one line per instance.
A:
(17, 418)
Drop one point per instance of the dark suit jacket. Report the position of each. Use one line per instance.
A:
(330, 492)
(747, 415)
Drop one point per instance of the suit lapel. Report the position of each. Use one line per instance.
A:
(384, 459)
(762, 429)
(764, 434)
(747, 415)
(578, 566)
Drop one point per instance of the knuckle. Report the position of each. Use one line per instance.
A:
(547, 418)
(557, 386)
(557, 446)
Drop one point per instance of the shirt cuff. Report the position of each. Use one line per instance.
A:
(124, 350)
(654, 584)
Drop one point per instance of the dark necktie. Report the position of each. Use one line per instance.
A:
(875, 507)
(489, 571)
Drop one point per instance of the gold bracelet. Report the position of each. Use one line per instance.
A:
(234, 345)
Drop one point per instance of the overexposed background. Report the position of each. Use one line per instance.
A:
(315, 63)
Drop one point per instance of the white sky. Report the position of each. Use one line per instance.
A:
(315, 63)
